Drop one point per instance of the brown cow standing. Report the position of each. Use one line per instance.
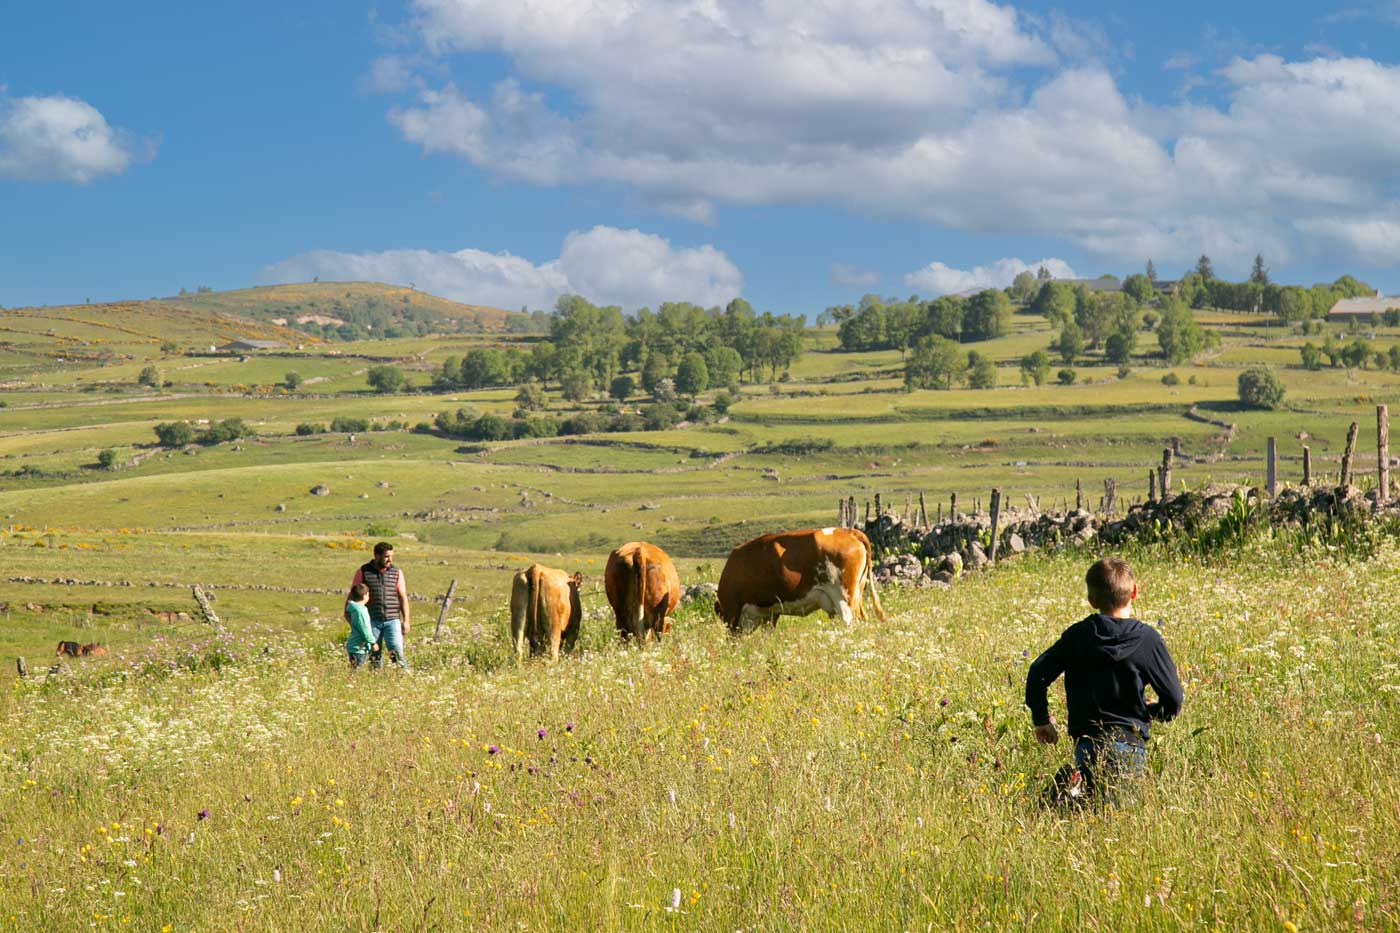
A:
(643, 589)
(796, 573)
(72, 649)
(545, 610)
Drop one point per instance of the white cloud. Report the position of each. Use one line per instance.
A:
(957, 112)
(846, 274)
(62, 139)
(605, 265)
(937, 278)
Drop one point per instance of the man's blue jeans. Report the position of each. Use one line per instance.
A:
(388, 634)
(1110, 767)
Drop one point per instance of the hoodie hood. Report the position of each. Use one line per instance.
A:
(1107, 637)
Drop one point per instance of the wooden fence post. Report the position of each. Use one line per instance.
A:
(1271, 468)
(1382, 454)
(1164, 476)
(1110, 490)
(923, 511)
(20, 669)
(996, 521)
(446, 605)
(1346, 456)
(1307, 466)
(1078, 495)
(1151, 485)
(952, 507)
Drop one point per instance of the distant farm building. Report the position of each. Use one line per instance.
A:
(244, 346)
(1350, 309)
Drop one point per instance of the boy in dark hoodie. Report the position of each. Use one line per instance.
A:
(1107, 658)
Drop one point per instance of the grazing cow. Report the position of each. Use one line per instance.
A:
(545, 610)
(796, 573)
(67, 649)
(93, 651)
(643, 589)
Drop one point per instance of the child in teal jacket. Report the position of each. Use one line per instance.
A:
(361, 636)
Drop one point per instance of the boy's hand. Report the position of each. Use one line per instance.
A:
(1047, 734)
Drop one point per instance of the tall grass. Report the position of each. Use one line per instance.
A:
(816, 776)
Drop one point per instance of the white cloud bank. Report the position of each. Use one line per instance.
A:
(915, 108)
(61, 139)
(606, 265)
(938, 279)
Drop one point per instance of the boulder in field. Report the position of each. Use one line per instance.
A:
(280, 507)
(320, 489)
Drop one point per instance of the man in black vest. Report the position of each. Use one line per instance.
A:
(388, 602)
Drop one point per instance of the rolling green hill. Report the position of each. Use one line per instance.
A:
(362, 309)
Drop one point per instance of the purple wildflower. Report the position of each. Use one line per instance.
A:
(204, 814)
(491, 749)
(943, 702)
(541, 732)
(569, 726)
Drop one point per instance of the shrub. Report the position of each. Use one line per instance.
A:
(981, 371)
(386, 379)
(722, 402)
(107, 459)
(622, 387)
(149, 377)
(1171, 379)
(175, 433)
(380, 530)
(304, 430)
(1066, 376)
(583, 423)
(344, 425)
(230, 429)
(1260, 388)
(660, 417)
(292, 381)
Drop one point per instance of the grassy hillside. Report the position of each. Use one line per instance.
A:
(351, 302)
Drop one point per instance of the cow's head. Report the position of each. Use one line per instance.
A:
(576, 581)
(69, 648)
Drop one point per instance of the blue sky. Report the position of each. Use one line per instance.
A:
(798, 153)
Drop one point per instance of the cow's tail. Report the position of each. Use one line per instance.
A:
(636, 614)
(532, 615)
(870, 579)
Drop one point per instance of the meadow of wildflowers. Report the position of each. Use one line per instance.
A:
(878, 776)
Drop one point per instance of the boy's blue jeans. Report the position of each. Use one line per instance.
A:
(389, 634)
(1110, 767)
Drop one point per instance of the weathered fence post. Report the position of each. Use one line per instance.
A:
(879, 509)
(952, 507)
(1164, 476)
(851, 511)
(446, 605)
(923, 511)
(867, 511)
(207, 609)
(20, 669)
(996, 521)
(1110, 489)
(976, 505)
(1151, 485)
(1307, 466)
(1271, 468)
(1382, 454)
(1078, 495)
(940, 513)
(1346, 456)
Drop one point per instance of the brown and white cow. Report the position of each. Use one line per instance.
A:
(643, 589)
(796, 573)
(545, 611)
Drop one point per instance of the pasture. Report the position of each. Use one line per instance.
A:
(809, 775)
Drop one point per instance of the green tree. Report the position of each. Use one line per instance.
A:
(1118, 348)
(1055, 300)
(935, 363)
(1332, 350)
(175, 433)
(1312, 356)
(292, 381)
(1066, 376)
(988, 315)
(149, 376)
(1260, 388)
(1203, 269)
(386, 379)
(531, 397)
(723, 402)
(1139, 287)
(981, 371)
(866, 330)
(484, 366)
(1356, 354)
(692, 376)
(943, 316)
(1393, 357)
(1035, 367)
(1023, 287)
(901, 323)
(1070, 343)
(656, 368)
(1178, 334)
(622, 388)
(1260, 275)
(575, 385)
(724, 364)
(106, 459)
